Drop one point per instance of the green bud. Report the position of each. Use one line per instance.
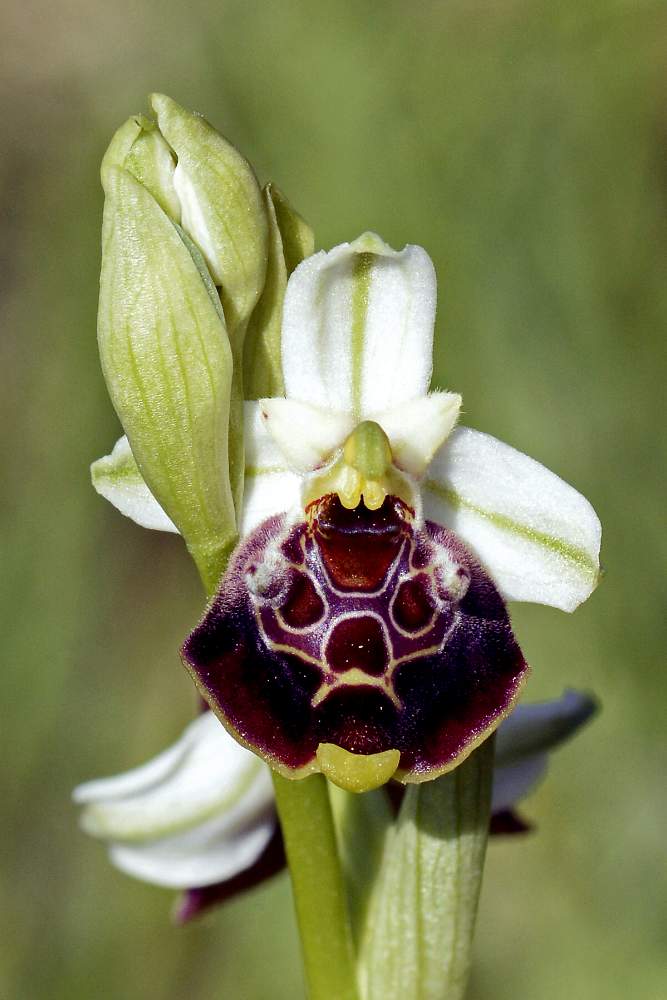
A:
(221, 208)
(120, 145)
(151, 161)
(164, 348)
(223, 212)
(138, 147)
(290, 241)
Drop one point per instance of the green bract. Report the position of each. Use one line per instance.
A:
(425, 894)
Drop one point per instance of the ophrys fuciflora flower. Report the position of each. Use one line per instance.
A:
(360, 640)
(351, 633)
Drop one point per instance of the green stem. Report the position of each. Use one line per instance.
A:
(305, 815)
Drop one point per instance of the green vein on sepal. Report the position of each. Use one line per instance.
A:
(573, 553)
(105, 819)
(361, 281)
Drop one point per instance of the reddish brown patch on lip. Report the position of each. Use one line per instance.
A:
(303, 606)
(358, 644)
(338, 532)
(358, 596)
(413, 606)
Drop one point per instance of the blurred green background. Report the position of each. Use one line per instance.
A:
(521, 142)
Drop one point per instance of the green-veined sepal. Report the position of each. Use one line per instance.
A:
(271, 487)
(198, 813)
(358, 327)
(116, 477)
(536, 535)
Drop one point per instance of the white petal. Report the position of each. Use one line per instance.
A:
(417, 429)
(513, 782)
(533, 729)
(538, 538)
(212, 775)
(205, 855)
(271, 487)
(305, 434)
(117, 478)
(358, 327)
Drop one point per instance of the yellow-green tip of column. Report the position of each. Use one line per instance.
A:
(363, 470)
(367, 450)
(356, 772)
(367, 458)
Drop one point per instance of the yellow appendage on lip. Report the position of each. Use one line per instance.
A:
(364, 471)
(355, 772)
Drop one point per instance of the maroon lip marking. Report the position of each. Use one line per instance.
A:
(341, 629)
(357, 643)
(357, 550)
(414, 608)
(303, 606)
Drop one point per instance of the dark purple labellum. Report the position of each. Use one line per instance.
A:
(360, 629)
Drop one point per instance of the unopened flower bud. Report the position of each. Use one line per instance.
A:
(222, 208)
(164, 346)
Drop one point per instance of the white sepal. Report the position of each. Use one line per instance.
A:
(524, 739)
(357, 329)
(206, 773)
(306, 435)
(198, 813)
(207, 854)
(117, 478)
(271, 486)
(537, 537)
(418, 428)
(512, 782)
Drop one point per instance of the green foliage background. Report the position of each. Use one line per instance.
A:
(521, 142)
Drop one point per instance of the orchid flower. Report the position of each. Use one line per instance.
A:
(452, 521)
(201, 813)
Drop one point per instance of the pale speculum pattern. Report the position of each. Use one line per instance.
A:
(359, 628)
